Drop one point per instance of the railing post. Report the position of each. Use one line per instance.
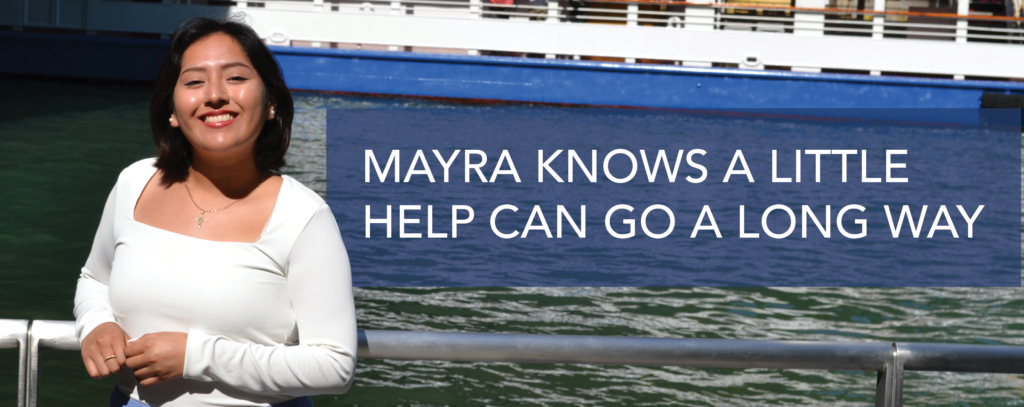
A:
(14, 334)
(475, 9)
(963, 8)
(53, 335)
(396, 10)
(883, 388)
(885, 382)
(878, 21)
(699, 18)
(900, 357)
(552, 11)
(632, 12)
(878, 27)
(897, 379)
(809, 24)
(32, 363)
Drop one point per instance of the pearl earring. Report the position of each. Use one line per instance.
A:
(171, 120)
(272, 111)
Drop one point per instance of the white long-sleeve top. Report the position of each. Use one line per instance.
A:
(266, 321)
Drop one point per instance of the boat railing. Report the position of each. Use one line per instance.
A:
(672, 14)
(889, 360)
(807, 36)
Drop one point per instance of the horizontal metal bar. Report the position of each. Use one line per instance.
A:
(59, 335)
(522, 348)
(721, 353)
(12, 332)
(828, 26)
(922, 25)
(583, 349)
(713, 353)
(789, 24)
(945, 357)
(888, 24)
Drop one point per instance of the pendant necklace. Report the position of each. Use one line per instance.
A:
(202, 212)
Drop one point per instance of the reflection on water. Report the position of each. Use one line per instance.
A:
(62, 145)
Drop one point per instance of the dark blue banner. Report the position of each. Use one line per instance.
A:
(520, 196)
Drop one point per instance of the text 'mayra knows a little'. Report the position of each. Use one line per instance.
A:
(584, 167)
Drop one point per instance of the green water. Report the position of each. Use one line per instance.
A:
(63, 144)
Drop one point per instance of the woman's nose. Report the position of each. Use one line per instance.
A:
(216, 95)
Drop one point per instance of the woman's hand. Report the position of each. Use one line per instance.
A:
(107, 339)
(157, 357)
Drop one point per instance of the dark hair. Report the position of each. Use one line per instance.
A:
(174, 152)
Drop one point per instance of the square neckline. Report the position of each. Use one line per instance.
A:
(263, 232)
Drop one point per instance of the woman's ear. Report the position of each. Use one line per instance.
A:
(271, 113)
(174, 121)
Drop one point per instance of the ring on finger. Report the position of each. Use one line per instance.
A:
(109, 357)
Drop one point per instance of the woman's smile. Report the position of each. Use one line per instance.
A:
(218, 118)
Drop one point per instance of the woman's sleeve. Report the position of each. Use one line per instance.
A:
(92, 300)
(324, 361)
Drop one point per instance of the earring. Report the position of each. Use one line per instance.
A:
(171, 120)
(272, 111)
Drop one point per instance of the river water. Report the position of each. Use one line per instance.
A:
(63, 143)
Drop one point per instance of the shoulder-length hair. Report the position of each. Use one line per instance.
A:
(174, 152)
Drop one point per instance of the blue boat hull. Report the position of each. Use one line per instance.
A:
(616, 84)
(511, 79)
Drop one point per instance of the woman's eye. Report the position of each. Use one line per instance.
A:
(193, 83)
(237, 79)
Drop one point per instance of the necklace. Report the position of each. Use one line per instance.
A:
(203, 212)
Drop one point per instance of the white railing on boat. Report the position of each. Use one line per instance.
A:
(745, 34)
(890, 360)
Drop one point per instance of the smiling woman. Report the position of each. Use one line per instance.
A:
(213, 280)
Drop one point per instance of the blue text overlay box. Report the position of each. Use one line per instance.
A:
(483, 197)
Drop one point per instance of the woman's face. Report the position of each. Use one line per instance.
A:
(218, 100)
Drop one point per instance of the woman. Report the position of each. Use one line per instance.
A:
(212, 280)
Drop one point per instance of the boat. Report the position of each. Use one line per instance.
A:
(698, 54)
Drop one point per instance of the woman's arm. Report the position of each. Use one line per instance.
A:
(95, 326)
(320, 288)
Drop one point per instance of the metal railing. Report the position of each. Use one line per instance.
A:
(890, 360)
(938, 26)
(945, 24)
(949, 27)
